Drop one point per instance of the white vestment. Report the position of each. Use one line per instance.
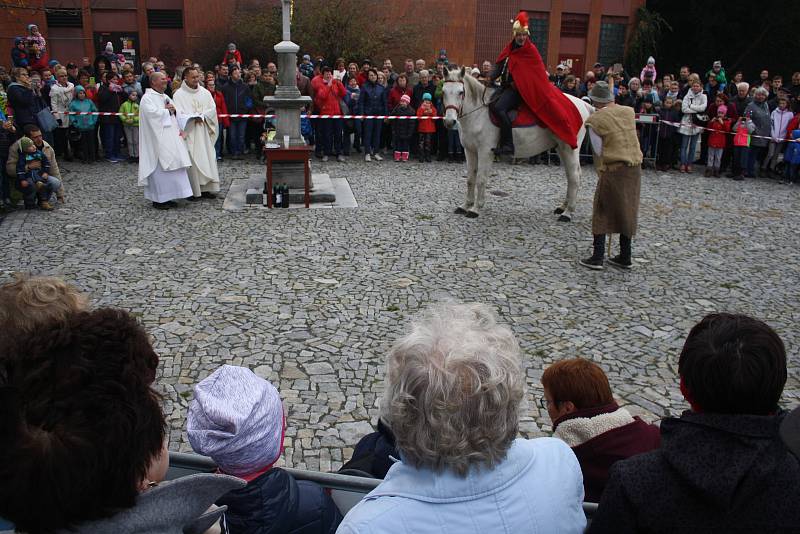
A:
(163, 158)
(197, 117)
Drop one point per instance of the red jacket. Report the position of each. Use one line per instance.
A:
(597, 454)
(361, 78)
(393, 99)
(222, 109)
(235, 53)
(793, 125)
(718, 138)
(327, 96)
(426, 125)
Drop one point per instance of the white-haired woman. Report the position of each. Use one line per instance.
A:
(453, 390)
(758, 112)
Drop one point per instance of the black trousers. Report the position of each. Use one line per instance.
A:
(508, 100)
(600, 246)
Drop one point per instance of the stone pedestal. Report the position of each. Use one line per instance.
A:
(287, 103)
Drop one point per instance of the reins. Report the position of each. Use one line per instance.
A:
(458, 109)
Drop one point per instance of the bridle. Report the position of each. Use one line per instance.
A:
(457, 109)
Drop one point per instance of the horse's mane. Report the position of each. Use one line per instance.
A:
(473, 89)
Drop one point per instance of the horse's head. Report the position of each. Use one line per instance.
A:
(452, 95)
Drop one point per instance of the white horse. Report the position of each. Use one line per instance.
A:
(466, 101)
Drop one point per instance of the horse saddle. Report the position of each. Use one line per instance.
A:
(522, 117)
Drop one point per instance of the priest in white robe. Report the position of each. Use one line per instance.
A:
(163, 158)
(197, 117)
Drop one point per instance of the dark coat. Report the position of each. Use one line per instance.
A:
(109, 101)
(238, 98)
(276, 503)
(374, 452)
(597, 454)
(403, 128)
(713, 473)
(419, 90)
(24, 103)
(373, 99)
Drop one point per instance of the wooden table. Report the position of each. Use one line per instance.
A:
(293, 153)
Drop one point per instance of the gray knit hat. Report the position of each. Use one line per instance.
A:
(236, 418)
(601, 93)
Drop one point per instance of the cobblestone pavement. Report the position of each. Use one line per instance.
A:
(311, 299)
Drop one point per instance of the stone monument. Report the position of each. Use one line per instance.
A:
(287, 103)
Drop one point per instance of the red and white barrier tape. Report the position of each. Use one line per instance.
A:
(260, 115)
(731, 132)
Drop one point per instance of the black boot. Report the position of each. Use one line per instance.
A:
(623, 260)
(595, 261)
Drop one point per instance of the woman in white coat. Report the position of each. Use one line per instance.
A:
(61, 94)
(694, 103)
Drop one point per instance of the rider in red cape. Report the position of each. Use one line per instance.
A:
(524, 76)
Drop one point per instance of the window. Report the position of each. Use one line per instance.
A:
(574, 25)
(64, 18)
(165, 18)
(612, 40)
(539, 26)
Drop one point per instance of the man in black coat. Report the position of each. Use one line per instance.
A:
(722, 465)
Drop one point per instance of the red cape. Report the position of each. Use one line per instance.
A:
(553, 109)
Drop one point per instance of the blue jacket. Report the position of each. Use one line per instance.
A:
(276, 503)
(538, 487)
(83, 122)
(373, 99)
(792, 154)
(238, 98)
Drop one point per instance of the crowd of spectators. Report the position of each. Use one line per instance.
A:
(740, 127)
(84, 445)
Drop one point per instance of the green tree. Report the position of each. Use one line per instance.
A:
(645, 38)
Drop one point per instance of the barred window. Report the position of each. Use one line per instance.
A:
(165, 18)
(612, 40)
(64, 18)
(539, 26)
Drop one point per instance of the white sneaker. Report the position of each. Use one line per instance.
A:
(324, 158)
(367, 158)
(340, 158)
(377, 157)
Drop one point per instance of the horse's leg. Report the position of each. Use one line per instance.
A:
(472, 167)
(484, 166)
(572, 166)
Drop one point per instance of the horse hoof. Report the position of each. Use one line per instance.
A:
(460, 211)
(471, 215)
(565, 218)
(558, 211)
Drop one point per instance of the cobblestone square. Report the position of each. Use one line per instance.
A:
(312, 299)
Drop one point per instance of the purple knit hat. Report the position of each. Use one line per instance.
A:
(236, 418)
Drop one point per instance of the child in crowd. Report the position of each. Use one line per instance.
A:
(305, 125)
(741, 144)
(426, 127)
(129, 116)
(232, 53)
(33, 176)
(780, 118)
(791, 158)
(648, 133)
(668, 134)
(85, 124)
(717, 139)
(237, 419)
(403, 129)
(649, 70)
(19, 54)
(7, 137)
(351, 100)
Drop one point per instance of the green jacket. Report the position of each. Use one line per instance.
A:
(126, 108)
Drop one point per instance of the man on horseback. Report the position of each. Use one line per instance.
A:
(523, 78)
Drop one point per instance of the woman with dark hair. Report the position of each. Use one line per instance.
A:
(84, 442)
(372, 102)
(110, 97)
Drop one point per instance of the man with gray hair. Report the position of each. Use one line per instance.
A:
(163, 158)
(454, 385)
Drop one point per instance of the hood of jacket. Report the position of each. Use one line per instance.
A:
(174, 507)
(724, 457)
